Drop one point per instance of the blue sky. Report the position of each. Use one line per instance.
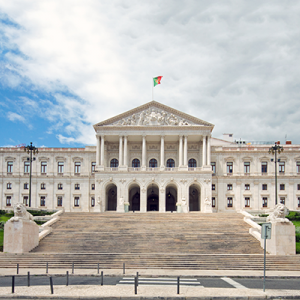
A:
(66, 65)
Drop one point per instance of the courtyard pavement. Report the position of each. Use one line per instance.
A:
(147, 292)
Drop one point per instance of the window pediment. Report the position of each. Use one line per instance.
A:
(77, 158)
(60, 158)
(44, 158)
(10, 158)
(229, 159)
(264, 158)
(247, 158)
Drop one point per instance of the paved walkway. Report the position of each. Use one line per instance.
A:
(146, 292)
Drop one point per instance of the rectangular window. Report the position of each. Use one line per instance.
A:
(76, 201)
(247, 186)
(298, 201)
(77, 186)
(264, 167)
(265, 202)
(246, 167)
(264, 187)
(60, 165)
(298, 187)
(26, 167)
(213, 167)
(10, 165)
(8, 200)
(43, 201)
(229, 202)
(282, 187)
(213, 202)
(8, 186)
(92, 201)
(77, 167)
(282, 200)
(93, 186)
(26, 186)
(93, 167)
(213, 187)
(229, 167)
(281, 166)
(298, 166)
(59, 201)
(43, 186)
(247, 201)
(60, 186)
(44, 167)
(25, 200)
(229, 187)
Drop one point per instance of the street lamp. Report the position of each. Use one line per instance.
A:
(29, 149)
(274, 150)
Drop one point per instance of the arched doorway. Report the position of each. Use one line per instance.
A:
(111, 197)
(152, 198)
(171, 198)
(134, 198)
(194, 198)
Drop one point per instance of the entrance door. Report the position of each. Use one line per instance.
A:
(152, 203)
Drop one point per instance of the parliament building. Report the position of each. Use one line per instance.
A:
(153, 158)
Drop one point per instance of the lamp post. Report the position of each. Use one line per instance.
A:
(274, 150)
(29, 149)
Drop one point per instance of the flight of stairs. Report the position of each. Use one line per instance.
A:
(222, 233)
(194, 241)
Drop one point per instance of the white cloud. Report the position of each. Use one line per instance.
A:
(15, 117)
(232, 63)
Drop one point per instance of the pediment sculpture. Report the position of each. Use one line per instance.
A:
(153, 116)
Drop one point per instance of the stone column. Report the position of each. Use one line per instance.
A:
(208, 151)
(204, 151)
(125, 152)
(162, 152)
(98, 151)
(120, 151)
(185, 163)
(102, 151)
(180, 150)
(144, 153)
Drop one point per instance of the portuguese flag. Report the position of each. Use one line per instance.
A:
(157, 80)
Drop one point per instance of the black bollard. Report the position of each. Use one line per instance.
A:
(123, 268)
(46, 268)
(72, 267)
(98, 269)
(28, 278)
(67, 276)
(101, 277)
(135, 285)
(51, 285)
(17, 268)
(12, 284)
(178, 284)
(137, 278)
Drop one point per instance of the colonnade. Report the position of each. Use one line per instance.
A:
(183, 151)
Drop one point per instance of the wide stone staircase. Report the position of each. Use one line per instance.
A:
(150, 240)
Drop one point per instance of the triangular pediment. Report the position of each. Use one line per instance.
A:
(153, 114)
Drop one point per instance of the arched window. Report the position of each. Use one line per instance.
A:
(114, 163)
(170, 163)
(136, 163)
(192, 163)
(153, 163)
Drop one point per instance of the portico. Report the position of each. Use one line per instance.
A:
(153, 154)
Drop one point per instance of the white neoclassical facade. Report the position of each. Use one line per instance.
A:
(152, 158)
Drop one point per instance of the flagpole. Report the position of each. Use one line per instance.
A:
(152, 89)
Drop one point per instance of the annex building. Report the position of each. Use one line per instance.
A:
(152, 158)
